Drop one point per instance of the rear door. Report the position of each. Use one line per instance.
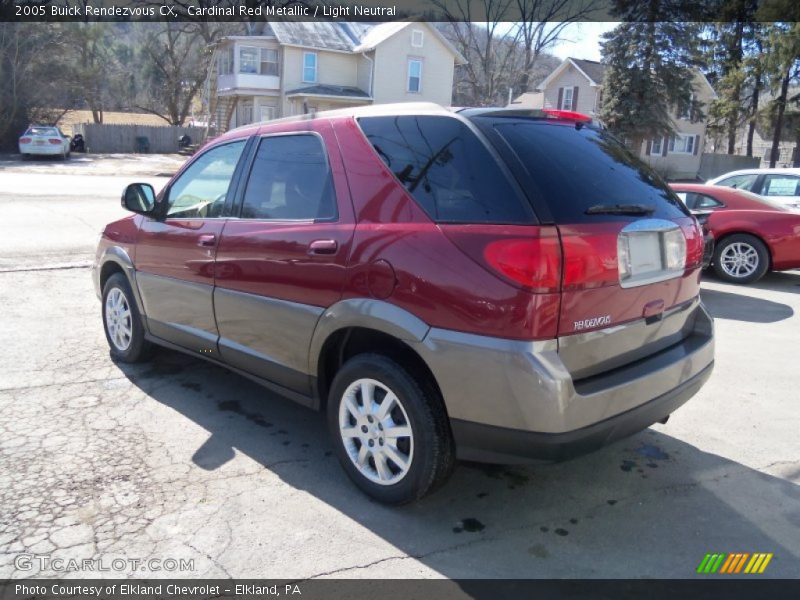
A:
(175, 252)
(282, 261)
(631, 250)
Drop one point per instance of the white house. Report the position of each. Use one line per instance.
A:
(578, 85)
(302, 67)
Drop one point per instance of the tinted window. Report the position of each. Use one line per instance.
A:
(578, 167)
(695, 200)
(201, 189)
(447, 169)
(739, 182)
(780, 185)
(290, 179)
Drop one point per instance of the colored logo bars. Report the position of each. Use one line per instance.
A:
(740, 562)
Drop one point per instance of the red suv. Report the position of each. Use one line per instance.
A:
(489, 284)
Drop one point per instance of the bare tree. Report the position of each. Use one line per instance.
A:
(176, 63)
(502, 41)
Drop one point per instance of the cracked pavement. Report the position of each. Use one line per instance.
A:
(180, 459)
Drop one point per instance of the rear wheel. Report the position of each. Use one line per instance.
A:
(741, 258)
(122, 322)
(390, 433)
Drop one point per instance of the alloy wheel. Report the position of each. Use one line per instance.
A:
(739, 260)
(119, 322)
(376, 431)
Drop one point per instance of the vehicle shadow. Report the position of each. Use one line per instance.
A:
(775, 281)
(739, 307)
(648, 506)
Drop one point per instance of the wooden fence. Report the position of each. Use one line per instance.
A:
(107, 139)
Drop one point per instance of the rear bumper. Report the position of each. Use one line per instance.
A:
(510, 400)
(486, 443)
(48, 150)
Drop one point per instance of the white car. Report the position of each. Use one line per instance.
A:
(44, 140)
(781, 185)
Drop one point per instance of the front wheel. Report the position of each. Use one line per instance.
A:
(390, 433)
(741, 258)
(122, 322)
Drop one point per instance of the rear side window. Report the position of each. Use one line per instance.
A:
(739, 182)
(696, 200)
(447, 169)
(575, 168)
(290, 180)
(780, 185)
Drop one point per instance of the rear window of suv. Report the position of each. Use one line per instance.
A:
(447, 169)
(576, 167)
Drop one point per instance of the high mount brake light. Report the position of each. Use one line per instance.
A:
(568, 115)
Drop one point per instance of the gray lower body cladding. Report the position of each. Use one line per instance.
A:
(509, 399)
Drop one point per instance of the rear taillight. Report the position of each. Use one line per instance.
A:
(54, 141)
(25, 140)
(533, 263)
(695, 244)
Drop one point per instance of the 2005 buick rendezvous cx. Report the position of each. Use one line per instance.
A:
(489, 284)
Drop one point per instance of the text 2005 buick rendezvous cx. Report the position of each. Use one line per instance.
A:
(489, 284)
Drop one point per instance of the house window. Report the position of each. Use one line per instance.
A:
(248, 60)
(414, 75)
(225, 64)
(267, 113)
(269, 61)
(681, 144)
(245, 113)
(310, 67)
(566, 99)
(686, 114)
(417, 38)
(657, 147)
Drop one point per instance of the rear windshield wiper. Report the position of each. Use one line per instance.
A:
(620, 209)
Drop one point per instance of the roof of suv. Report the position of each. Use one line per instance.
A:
(400, 109)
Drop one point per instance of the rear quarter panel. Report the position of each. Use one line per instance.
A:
(780, 231)
(433, 278)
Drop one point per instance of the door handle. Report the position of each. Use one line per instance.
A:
(207, 240)
(323, 247)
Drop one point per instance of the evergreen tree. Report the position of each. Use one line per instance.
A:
(649, 72)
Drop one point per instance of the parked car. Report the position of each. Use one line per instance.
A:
(43, 140)
(753, 235)
(493, 285)
(781, 185)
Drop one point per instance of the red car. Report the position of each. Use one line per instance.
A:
(497, 285)
(752, 234)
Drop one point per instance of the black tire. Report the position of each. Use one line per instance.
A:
(139, 349)
(433, 456)
(726, 246)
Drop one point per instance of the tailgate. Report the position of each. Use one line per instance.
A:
(632, 252)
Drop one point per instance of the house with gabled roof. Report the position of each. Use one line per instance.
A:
(577, 85)
(293, 68)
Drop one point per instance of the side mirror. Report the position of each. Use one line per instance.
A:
(139, 198)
